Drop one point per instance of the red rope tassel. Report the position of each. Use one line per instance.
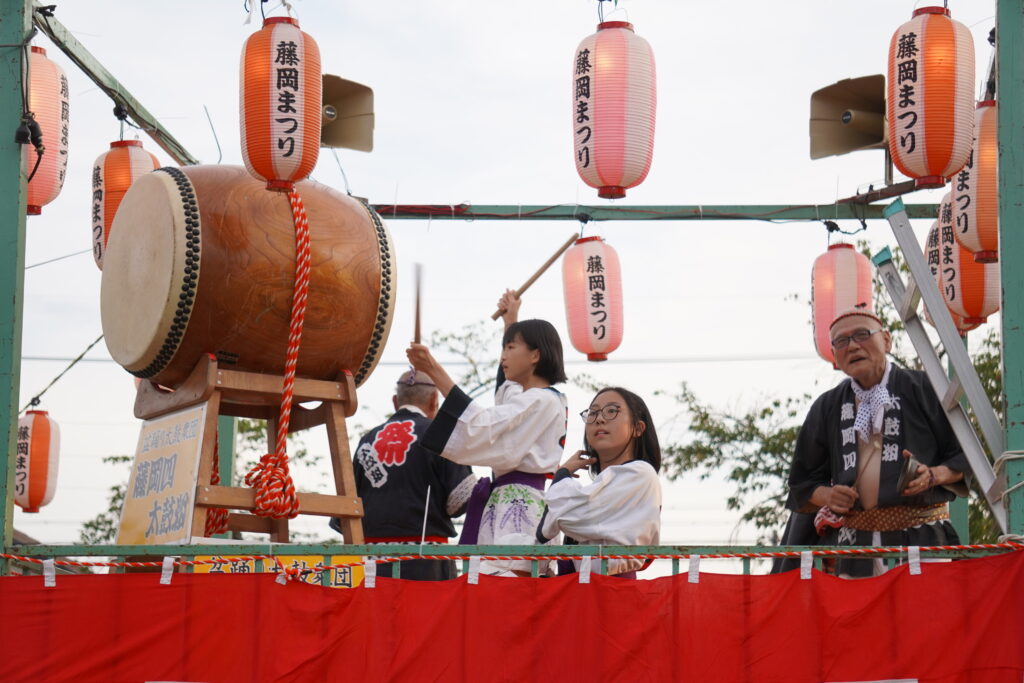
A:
(216, 518)
(275, 492)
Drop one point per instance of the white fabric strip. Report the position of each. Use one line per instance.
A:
(49, 573)
(474, 569)
(694, 569)
(167, 570)
(806, 564)
(585, 562)
(370, 573)
(914, 555)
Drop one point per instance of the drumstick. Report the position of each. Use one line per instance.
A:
(540, 271)
(418, 277)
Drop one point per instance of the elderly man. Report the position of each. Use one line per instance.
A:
(393, 474)
(855, 441)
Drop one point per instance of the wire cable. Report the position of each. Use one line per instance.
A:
(34, 401)
(59, 258)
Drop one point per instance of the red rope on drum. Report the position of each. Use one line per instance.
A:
(275, 492)
(216, 518)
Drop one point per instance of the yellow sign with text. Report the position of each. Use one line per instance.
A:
(160, 497)
(311, 568)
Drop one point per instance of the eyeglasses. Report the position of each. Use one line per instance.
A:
(609, 413)
(860, 336)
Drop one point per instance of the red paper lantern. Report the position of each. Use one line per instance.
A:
(613, 111)
(113, 173)
(931, 252)
(48, 100)
(971, 289)
(930, 94)
(35, 462)
(840, 280)
(592, 281)
(976, 190)
(281, 99)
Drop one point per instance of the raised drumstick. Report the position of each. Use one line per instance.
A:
(418, 279)
(540, 271)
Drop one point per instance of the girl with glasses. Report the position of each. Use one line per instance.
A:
(521, 437)
(622, 504)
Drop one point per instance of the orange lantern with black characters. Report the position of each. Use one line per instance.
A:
(112, 174)
(930, 95)
(35, 460)
(281, 100)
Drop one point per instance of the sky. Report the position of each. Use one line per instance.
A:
(473, 105)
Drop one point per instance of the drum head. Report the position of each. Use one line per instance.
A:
(144, 293)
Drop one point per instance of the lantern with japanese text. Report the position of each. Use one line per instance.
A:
(931, 253)
(281, 99)
(840, 280)
(613, 111)
(592, 281)
(971, 289)
(113, 173)
(930, 94)
(35, 461)
(48, 99)
(975, 190)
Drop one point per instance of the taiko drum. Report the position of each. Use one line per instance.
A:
(201, 260)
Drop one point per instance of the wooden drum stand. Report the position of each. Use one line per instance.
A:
(255, 395)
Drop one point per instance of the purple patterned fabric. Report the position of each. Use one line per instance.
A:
(482, 492)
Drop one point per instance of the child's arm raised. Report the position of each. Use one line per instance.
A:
(421, 358)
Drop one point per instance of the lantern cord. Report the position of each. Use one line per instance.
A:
(34, 401)
(832, 226)
(344, 177)
(213, 130)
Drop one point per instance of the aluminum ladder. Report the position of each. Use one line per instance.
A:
(965, 382)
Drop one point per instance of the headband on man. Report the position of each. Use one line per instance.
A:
(856, 310)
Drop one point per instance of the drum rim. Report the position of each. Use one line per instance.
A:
(386, 297)
(186, 262)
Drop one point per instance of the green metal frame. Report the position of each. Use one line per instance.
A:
(1009, 80)
(609, 212)
(14, 32)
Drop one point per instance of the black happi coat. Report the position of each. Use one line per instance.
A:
(392, 473)
(923, 429)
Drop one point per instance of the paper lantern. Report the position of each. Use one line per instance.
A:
(931, 253)
(113, 173)
(592, 281)
(975, 190)
(971, 289)
(35, 460)
(614, 102)
(48, 99)
(281, 97)
(930, 94)
(840, 279)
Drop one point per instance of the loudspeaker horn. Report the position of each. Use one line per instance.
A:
(347, 114)
(848, 116)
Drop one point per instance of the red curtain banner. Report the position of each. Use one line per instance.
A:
(959, 621)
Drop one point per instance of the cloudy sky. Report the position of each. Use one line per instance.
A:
(473, 103)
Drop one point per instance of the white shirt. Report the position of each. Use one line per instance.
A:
(523, 431)
(621, 506)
